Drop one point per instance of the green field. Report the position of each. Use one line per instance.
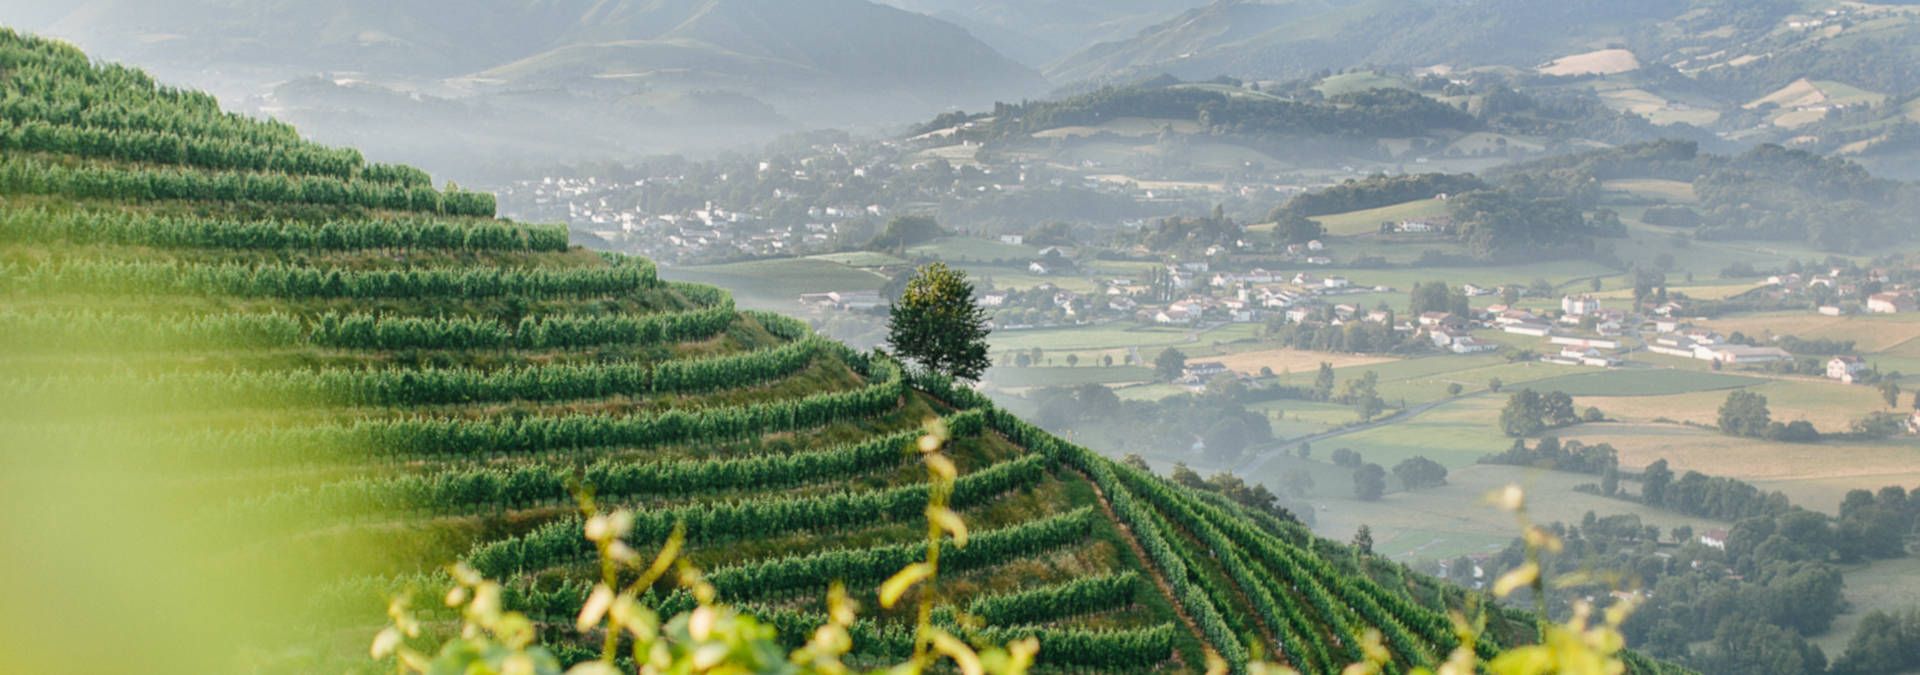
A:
(1005, 377)
(1346, 83)
(1368, 221)
(973, 249)
(779, 283)
(1641, 382)
(860, 259)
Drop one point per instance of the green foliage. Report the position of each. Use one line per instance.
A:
(1528, 413)
(937, 324)
(1419, 472)
(1745, 414)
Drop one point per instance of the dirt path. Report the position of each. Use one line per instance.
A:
(1160, 581)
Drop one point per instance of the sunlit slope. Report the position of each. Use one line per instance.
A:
(356, 379)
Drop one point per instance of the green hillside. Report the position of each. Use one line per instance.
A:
(388, 379)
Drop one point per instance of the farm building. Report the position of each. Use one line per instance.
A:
(1846, 368)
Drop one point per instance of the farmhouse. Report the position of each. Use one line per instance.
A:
(1580, 305)
(1468, 345)
(1891, 303)
(1431, 319)
(994, 298)
(1585, 342)
(1714, 539)
(1179, 316)
(1742, 355)
(1846, 368)
(1014, 239)
(1529, 328)
(1336, 282)
(1201, 373)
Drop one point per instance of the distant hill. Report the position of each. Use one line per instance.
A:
(545, 81)
(1287, 39)
(841, 42)
(1039, 32)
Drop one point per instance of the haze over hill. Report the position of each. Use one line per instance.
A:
(1039, 32)
(476, 81)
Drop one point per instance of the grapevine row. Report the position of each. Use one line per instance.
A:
(192, 232)
(560, 541)
(1284, 618)
(1130, 649)
(1140, 519)
(61, 330)
(292, 281)
(163, 147)
(537, 485)
(1085, 595)
(438, 386)
(476, 438)
(29, 175)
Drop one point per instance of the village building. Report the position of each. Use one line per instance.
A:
(1580, 305)
(1846, 369)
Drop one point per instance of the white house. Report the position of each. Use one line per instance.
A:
(1173, 316)
(1714, 539)
(1037, 267)
(1469, 345)
(1580, 305)
(994, 298)
(1846, 368)
(1585, 342)
(1014, 239)
(1743, 355)
(1529, 328)
(1890, 303)
(1336, 282)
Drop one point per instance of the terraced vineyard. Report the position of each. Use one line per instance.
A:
(380, 367)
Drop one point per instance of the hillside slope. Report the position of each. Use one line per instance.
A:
(390, 379)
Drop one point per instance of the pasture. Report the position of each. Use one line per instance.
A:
(1641, 382)
(1813, 475)
(1829, 406)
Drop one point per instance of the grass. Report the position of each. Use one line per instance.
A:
(1368, 221)
(1885, 585)
(1641, 382)
(1292, 361)
(1830, 406)
(973, 249)
(860, 259)
(1066, 377)
(1347, 83)
(780, 280)
(1872, 333)
(1450, 520)
(1813, 475)
(1654, 188)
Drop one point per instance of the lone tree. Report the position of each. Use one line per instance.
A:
(1170, 365)
(937, 324)
(1370, 482)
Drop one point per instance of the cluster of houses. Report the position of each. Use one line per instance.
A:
(1247, 297)
(1846, 287)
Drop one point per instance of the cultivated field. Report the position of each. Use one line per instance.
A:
(1814, 475)
(1290, 361)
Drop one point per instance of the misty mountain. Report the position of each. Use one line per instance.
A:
(597, 76)
(1040, 32)
(751, 42)
(1292, 38)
